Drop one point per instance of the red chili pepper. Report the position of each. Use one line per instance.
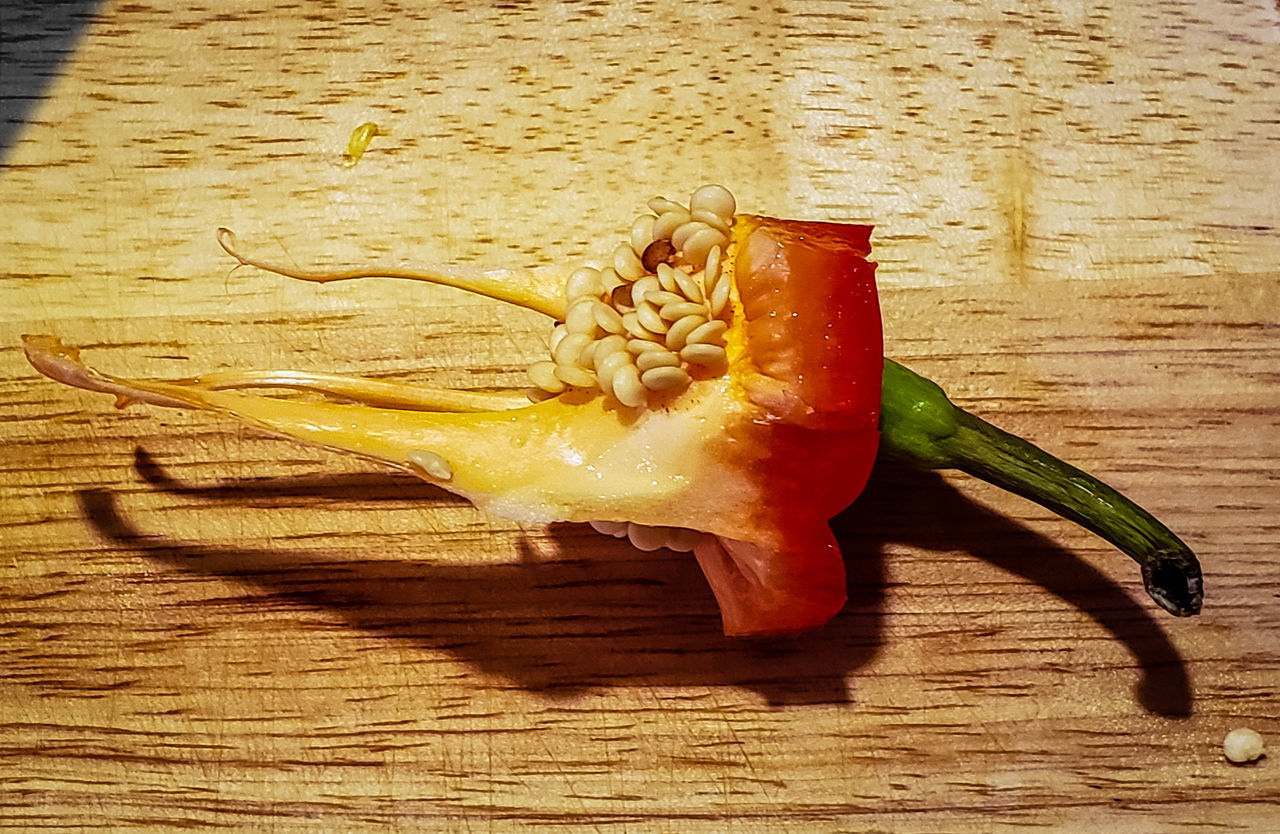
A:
(723, 397)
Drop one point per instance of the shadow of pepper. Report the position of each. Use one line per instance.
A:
(922, 510)
(594, 614)
(600, 613)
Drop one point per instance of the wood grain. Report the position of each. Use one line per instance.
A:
(1078, 234)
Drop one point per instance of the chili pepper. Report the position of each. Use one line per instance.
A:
(715, 388)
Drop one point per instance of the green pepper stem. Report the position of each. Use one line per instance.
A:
(919, 425)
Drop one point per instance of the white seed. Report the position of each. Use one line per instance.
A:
(610, 279)
(640, 346)
(429, 464)
(682, 539)
(660, 205)
(609, 367)
(712, 219)
(667, 278)
(605, 347)
(711, 333)
(649, 318)
(700, 243)
(537, 395)
(576, 376)
(714, 198)
(606, 317)
(661, 298)
(690, 287)
(718, 299)
(543, 375)
(584, 282)
(668, 222)
(665, 378)
(557, 335)
(1243, 745)
(680, 309)
(587, 359)
(580, 317)
(708, 356)
(640, 289)
(627, 262)
(712, 270)
(569, 351)
(618, 529)
(646, 538)
(627, 387)
(642, 233)
(651, 359)
(681, 235)
(631, 321)
(678, 333)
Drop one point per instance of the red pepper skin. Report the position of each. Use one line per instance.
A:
(810, 360)
(813, 319)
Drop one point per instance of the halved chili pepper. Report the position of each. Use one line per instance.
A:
(716, 388)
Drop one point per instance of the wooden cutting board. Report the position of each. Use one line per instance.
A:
(1078, 232)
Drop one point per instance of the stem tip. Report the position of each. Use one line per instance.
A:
(1174, 581)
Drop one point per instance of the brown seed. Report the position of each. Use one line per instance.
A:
(620, 298)
(658, 252)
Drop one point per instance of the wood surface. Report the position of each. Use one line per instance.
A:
(1078, 232)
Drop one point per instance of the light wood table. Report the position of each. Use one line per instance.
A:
(1078, 233)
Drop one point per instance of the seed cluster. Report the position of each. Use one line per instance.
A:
(659, 311)
(647, 538)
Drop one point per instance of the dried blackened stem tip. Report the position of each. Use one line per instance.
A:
(1174, 581)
